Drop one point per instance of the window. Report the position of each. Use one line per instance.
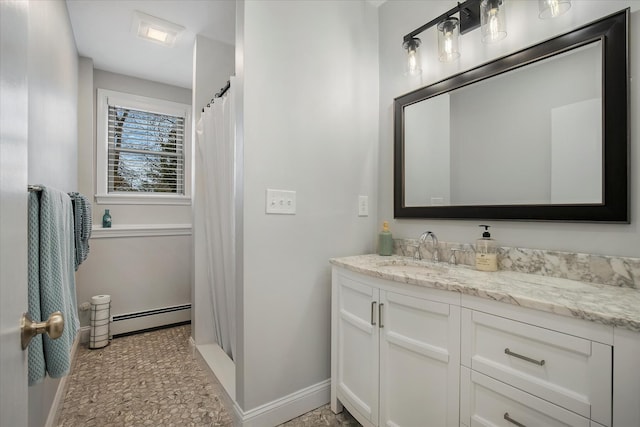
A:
(143, 150)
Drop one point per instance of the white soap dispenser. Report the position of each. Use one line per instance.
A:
(486, 252)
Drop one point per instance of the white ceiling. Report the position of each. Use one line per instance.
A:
(102, 29)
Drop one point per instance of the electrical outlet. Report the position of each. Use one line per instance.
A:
(363, 205)
(280, 202)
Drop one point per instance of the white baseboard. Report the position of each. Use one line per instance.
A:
(287, 407)
(58, 400)
(275, 412)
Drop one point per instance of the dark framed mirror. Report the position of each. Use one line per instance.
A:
(539, 135)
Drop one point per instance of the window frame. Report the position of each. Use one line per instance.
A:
(144, 103)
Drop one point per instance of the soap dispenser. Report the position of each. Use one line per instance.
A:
(486, 252)
(385, 240)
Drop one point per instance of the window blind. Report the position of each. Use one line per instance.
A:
(145, 151)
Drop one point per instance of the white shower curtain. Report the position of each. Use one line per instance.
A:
(215, 188)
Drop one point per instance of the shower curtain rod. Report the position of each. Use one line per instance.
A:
(222, 91)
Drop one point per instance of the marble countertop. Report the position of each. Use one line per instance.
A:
(610, 305)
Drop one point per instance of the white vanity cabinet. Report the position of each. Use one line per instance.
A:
(530, 375)
(395, 354)
(481, 350)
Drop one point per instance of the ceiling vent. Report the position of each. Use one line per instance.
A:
(154, 29)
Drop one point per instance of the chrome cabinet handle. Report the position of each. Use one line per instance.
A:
(380, 314)
(512, 421)
(528, 359)
(373, 310)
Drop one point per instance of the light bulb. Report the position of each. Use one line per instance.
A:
(493, 24)
(448, 43)
(413, 62)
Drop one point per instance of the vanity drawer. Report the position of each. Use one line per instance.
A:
(569, 371)
(487, 402)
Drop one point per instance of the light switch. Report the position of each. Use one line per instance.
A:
(280, 202)
(363, 205)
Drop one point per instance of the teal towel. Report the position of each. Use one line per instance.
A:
(57, 276)
(82, 225)
(36, 365)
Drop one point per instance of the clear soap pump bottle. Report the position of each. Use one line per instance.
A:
(486, 252)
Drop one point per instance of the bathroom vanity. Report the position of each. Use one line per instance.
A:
(421, 344)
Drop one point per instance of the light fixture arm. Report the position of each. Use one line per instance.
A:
(469, 19)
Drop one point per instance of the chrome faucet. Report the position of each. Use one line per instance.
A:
(434, 239)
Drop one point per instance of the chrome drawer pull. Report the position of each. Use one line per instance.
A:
(380, 314)
(373, 310)
(512, 421)
(528, 359)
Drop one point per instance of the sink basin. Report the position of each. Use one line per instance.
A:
(412, 267)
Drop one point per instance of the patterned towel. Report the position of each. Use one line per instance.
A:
(83, 222)
(37, 368)
(57, 276)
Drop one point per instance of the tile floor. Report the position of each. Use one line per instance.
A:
(152, 379)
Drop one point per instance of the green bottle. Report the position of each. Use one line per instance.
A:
(106, 219)
(385, 240)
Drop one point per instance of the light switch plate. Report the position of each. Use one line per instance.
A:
(363, 205)
(281, 202)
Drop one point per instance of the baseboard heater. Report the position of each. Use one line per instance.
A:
(125, 324)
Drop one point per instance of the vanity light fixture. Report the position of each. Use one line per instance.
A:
(449, 28)
(155, 29)
(493, 21)
(488, 14)
(553, 8)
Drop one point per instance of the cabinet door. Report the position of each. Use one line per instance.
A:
(419, 362)
(358, 347)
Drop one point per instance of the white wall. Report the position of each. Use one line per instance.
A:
(140, 273)
(53, 141)
(213, 64)
(398, 18)
(53, 102)
(310, 111)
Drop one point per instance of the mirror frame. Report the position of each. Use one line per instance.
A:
(613, 32)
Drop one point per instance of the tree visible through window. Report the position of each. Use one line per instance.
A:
(145, 151)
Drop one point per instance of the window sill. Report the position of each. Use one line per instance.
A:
(141, 230)
(136, 199)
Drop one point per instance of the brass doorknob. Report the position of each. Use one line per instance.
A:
(29, 329)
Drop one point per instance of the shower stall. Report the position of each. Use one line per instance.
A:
(214, 237)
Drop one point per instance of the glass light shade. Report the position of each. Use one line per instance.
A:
(448, 31)
(553, 8)
(413, 60)
(493, 20)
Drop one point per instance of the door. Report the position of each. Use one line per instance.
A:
(419, 361)
(13, 210)
(358, 347)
